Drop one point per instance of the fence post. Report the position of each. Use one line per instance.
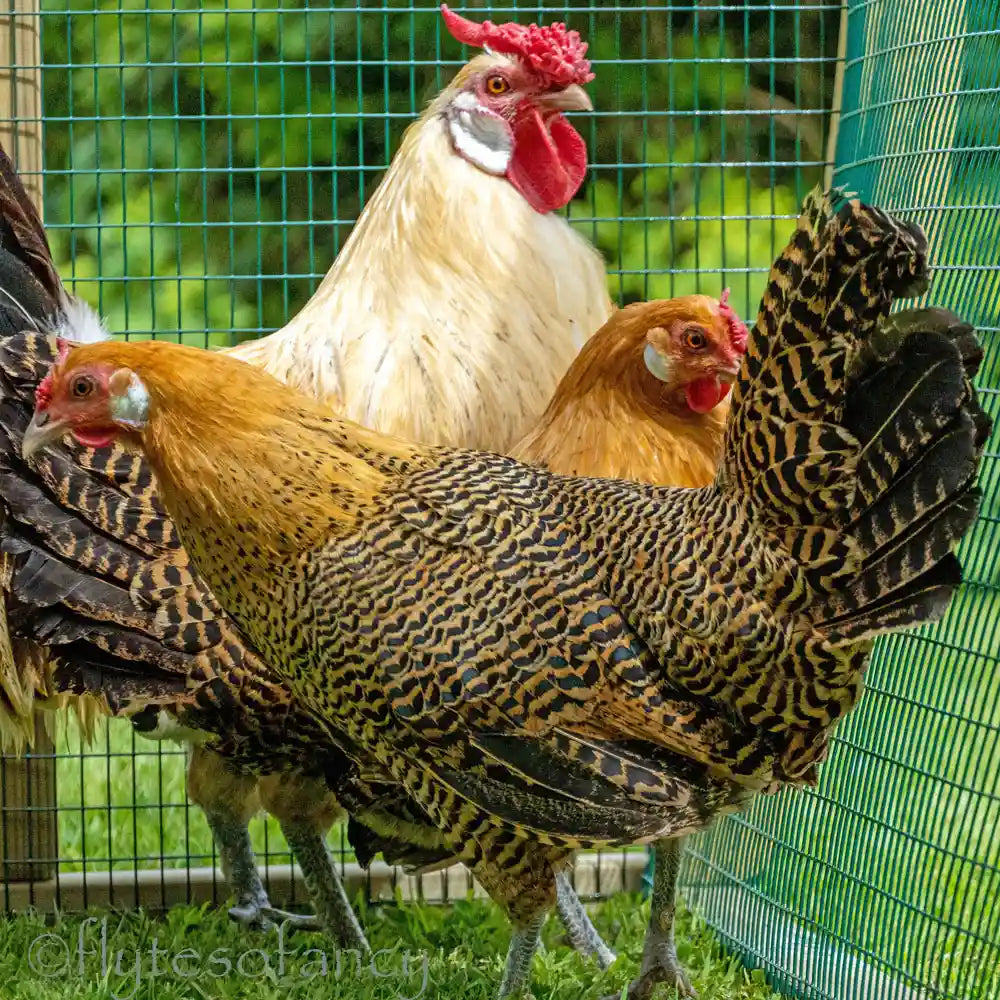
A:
(28, 832)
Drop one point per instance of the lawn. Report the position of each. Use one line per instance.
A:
(122, 805)
(452, 953)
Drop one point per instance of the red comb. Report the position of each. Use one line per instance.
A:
(43, 392)
(738, 332)
(551, 51)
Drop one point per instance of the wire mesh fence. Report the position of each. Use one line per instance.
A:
(884, 882)
(202, 166)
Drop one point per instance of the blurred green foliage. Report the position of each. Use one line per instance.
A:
(203, 165)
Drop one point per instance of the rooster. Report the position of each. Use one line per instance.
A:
(545, 663)
(647, 399)
(395, 312)
(460, 299)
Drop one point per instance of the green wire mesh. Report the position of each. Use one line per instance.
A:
(885, 882)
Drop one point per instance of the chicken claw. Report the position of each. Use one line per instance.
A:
(659, 952)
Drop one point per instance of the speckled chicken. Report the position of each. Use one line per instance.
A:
(387, 339)
(546, 663)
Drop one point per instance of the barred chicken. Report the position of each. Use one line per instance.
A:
(542, 663)
(386, 339)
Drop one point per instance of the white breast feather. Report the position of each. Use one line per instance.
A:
(451, 313)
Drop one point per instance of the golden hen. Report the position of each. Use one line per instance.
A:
(646, 398)
(547, 663)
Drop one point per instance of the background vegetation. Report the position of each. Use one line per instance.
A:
(208, 163)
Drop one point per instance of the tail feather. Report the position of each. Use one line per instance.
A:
(31, 298)
(923, 599)
(921, 430)
(787, 273)
(77, 536)
(856, 436)
(22, 236)
(786, 449)
(61, 530)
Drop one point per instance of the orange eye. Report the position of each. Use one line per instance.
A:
(497, 85)
(82, 386)
(695, 339)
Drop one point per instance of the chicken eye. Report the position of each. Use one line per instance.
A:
(82, 386)
(695, 339)
(497, 85)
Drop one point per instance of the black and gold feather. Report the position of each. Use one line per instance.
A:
(540, 660)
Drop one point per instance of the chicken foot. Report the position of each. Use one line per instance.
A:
(582, 933)
(239, 866)
(659, 952)
(229, 799)
(326, 892)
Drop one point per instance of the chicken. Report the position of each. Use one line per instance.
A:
(647, 399)
(460, 299)
(545, 664)
(393, 313)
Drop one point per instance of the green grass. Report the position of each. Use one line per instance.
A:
(462, 945)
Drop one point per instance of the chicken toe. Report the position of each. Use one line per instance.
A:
(582, 933)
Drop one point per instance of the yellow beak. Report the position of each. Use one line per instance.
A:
(571, 98)
(40, 433)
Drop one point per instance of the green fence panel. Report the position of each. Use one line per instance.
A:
(885, 882)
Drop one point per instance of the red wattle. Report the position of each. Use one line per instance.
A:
(704, 394)
(549, 161)
(96, 437)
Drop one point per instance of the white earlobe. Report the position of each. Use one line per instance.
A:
(131, 408)
(480, 136)
(656, 364)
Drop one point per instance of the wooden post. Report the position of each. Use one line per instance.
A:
(28, 831)
(838, 96)
(21, 90)
(29, 834)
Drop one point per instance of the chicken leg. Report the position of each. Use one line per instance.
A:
(659, 952)
(523, 945)
(306, 810)
(230, 800)
(582, 933)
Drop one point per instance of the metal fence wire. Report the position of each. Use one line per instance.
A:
(203, 165)
(885, 881)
